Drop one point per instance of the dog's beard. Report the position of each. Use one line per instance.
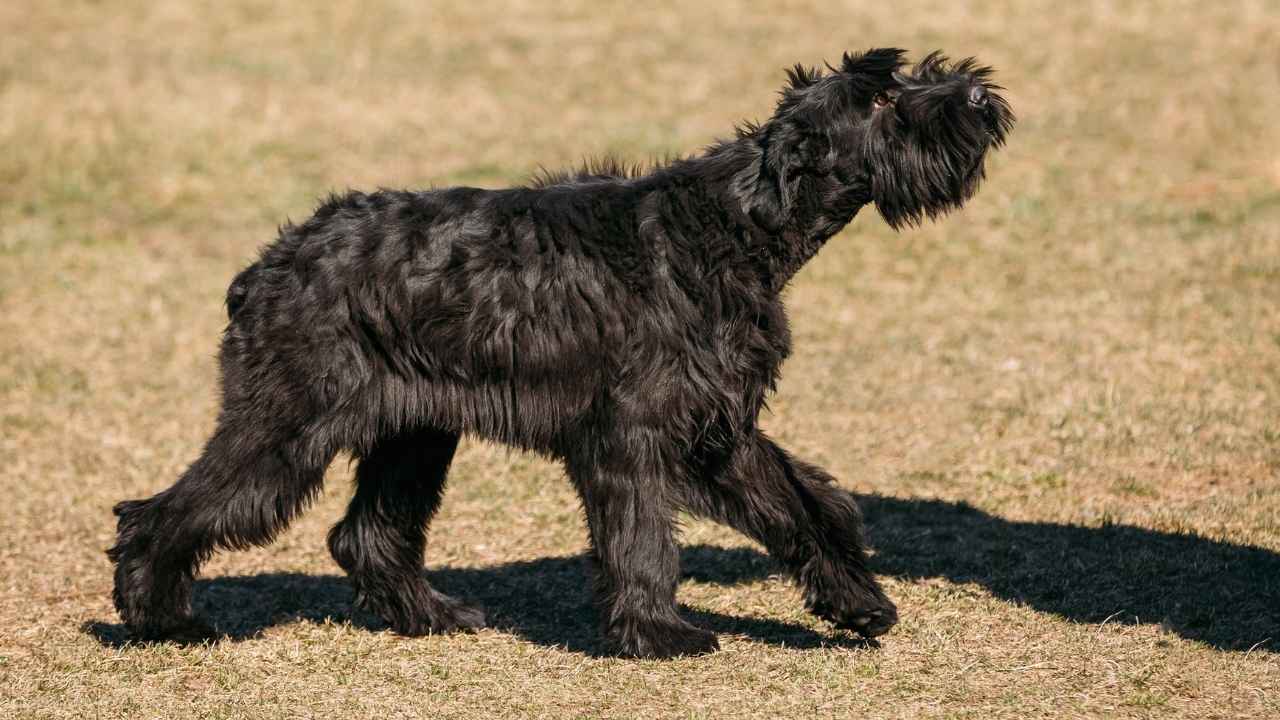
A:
(926, 155)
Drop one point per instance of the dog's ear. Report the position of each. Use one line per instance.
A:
(787, 148)
(779, 161)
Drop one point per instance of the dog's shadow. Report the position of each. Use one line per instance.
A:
(1222, 594)
(1219, 593)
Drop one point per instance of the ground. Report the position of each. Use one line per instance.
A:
(1061, 406)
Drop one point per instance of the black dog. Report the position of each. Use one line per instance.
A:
(627, 324)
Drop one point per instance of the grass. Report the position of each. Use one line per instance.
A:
(1062, 406)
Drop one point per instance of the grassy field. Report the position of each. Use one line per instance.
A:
(1062, 406)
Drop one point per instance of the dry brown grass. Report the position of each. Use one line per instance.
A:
(1065, 401)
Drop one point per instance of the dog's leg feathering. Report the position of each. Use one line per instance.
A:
(380, 542)
(241, 492)
(637, 560)
(808, 523)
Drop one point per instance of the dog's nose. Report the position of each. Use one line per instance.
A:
(978, 96)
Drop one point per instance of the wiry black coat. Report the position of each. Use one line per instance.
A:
(628, 324)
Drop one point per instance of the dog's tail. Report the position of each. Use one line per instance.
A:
(238, 293)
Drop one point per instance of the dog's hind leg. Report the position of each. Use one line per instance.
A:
(808, 523)
(252, 478)
(638, 564)
(380, 542)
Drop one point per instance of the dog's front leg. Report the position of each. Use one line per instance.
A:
(808, 523)
(637, 561)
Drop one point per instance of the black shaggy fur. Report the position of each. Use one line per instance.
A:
(628, 324)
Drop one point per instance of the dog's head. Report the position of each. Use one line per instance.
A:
(912, 140)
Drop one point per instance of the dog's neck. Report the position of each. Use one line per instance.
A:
(820, 208)
(784, 222)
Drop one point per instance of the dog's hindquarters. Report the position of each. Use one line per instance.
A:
(263, 463)
(245, 487)
(345, 334)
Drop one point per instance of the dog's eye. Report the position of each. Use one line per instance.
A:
(881, 99)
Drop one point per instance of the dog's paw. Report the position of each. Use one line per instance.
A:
(665, 639)
(457, 617)
(441, 616)
(415, 609)
(869, 614)
(870, 623)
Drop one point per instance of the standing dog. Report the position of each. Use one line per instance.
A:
(629, 325)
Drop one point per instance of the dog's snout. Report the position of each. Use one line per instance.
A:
(978, 96)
